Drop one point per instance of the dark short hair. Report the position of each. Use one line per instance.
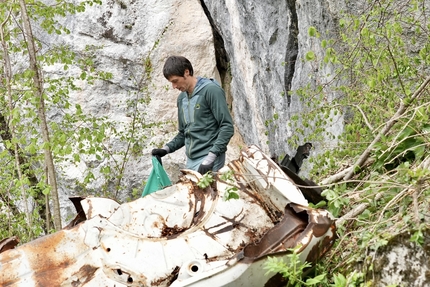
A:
(176, 66)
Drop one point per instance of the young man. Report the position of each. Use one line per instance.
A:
(205, 125)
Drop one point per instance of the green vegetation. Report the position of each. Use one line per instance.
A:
(36, 144)
(30, 143)
(206, 180)
(227, 177)
(231, 190)
(293, 270)
(377, 179)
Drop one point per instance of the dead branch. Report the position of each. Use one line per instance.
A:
(401, 110)
(356, 211)
(336, 177)
(341, 174)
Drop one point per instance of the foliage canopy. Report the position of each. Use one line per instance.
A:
(76, 137)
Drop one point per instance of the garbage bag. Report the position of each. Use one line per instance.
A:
(158, 178)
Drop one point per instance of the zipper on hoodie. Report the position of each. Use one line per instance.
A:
(191, 121)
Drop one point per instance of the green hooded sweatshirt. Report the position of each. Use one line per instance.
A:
(205, 123)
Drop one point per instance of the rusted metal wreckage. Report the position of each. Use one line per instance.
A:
(179, 236)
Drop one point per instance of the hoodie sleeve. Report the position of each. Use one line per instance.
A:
(219, 108)
(179, 140)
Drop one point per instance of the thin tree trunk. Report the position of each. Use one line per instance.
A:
(38, 82)
(48, 213)
(38, 196)
(8, 77)
(10, 204)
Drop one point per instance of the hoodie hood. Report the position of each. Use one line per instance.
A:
(201, 82)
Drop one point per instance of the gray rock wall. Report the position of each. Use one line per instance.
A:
(266, 42)
(122, 35)
(255, 48)
(401, 262)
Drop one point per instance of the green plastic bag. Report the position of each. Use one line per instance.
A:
(158, 179)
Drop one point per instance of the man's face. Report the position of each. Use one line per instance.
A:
(181, 83)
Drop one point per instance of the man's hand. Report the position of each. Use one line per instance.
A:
(207, 164)
(204, 168)
(159, 153)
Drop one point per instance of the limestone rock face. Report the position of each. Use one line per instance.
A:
(402, 262)
(265, 43)
(123, 35)
(255, 49)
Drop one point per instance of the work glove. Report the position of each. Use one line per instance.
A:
(207, 164)
(160, 152)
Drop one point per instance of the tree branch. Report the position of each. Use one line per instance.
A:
(401, 110)
(355, 211)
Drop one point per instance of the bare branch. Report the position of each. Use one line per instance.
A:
(336, 177)
(355, 211)
(401, 110)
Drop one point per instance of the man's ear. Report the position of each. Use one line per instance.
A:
(186, 73)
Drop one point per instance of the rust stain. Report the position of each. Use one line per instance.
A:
(280, 237)
(253, 192)
(321, 225)
(252, 234)
(321, 249)
(249, 153)
(8, 262)
(85, 274)
(172, 232)
(199, 196)
(274, 214)
(47, 258)
(105, 248)
(46, 263)
(8, 243)
(169, 279)
(209, 233)
(156, 224)
(51, 258)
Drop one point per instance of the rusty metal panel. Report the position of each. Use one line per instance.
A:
(8, 243)
(179, 236)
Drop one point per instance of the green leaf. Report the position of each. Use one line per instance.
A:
(310, 56)
(324, 44)
(339, 280)
(206, 180)
(46, 191)
(320, 204)
(419, 151)
(312, 31)
(315, 280)
(232, 195)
